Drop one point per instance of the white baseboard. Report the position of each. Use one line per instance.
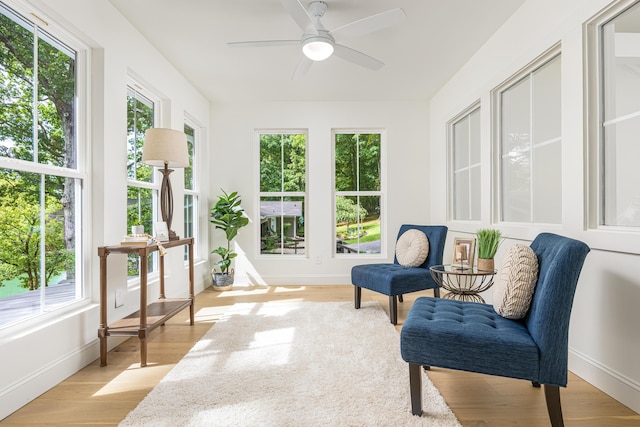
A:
(16, 395)
(616, 385)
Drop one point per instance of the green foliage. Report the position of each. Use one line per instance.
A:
(20, 232)
(227, 215)
(489, 240)
(282, 162)
(347, 211)
(20, 198)
(358, 166)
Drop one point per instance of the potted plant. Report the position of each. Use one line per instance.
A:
(227, 215)
(488, 240)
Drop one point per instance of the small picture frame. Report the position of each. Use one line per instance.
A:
(162, 231)
(463, 253)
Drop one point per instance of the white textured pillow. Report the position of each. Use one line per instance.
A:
(515, 282)
(412, 248)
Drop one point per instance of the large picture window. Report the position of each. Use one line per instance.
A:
(358, 192)
(283, 177)
(40, 179)
(464, 150)
(618, 119)
(530, 146)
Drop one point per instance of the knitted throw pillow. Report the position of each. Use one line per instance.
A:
(515, 282)
(412, 248)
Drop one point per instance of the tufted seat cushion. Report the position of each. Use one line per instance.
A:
(440, 332)
(392, 279)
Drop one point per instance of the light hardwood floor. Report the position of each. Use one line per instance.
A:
(104, 396)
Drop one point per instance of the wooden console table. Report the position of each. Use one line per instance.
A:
(151, 315)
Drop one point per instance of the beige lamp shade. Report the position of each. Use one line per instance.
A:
(165, 146)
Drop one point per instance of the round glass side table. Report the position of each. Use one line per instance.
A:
(464, 284)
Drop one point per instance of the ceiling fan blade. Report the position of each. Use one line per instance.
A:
(369, 24)
(358, 58)
(302, 68)
(299, 14)
(265, 43)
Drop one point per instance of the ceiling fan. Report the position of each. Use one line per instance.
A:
(318, 43)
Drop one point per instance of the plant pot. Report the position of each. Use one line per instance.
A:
(137, 229)
(486, 264)
(222, 281)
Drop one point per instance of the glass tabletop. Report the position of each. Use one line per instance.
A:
(463, 271)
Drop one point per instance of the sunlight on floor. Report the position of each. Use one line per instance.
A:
(210, 314)
(132, 379)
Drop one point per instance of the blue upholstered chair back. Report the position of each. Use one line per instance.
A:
(437, 235)
(560, 260)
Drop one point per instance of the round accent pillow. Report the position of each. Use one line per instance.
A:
(515, 282)
(412, 248)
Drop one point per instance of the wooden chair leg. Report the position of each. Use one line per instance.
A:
(357, 296)
(415, 386)
(552, 395)
(400, 298)
(536, 384)
(393, 310)
(436, 292)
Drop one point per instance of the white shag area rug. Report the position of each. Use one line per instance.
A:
(293, 364)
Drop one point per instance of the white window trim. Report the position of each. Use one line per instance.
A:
(139, 87)
(607, 238)
(526, 230)
(197, 178)
(467, 112)
(382, 193)
(83, 152)
(256, 247)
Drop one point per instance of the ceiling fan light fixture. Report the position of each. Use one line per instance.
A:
(317, 48)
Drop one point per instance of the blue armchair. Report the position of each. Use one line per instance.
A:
(394, 279)
(471, 336)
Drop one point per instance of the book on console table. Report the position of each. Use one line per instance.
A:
(137, 241)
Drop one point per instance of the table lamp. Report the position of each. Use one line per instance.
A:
(166, 148)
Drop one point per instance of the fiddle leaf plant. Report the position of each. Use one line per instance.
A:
(227, 215)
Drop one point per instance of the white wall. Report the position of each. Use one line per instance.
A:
(604, 344)
(39, 356)
(234, 168)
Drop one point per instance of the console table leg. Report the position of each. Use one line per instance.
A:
(103, 349)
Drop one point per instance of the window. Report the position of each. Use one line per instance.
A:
(191, 194)
(41, 182)
(283, 176)
(141, 188)
(358, 195)
(615, 113)
(529, 147)
(464, 151)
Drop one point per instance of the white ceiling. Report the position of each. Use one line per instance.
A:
(420, 55)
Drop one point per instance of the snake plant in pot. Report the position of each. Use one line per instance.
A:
(488, 240)
(227, 215)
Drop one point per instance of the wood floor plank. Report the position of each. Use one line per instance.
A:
(103, 396)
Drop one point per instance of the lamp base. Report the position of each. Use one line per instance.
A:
(173, 235)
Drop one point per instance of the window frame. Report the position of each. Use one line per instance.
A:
(451, 194)
(79, 173)
(607, 238)
(538, 63)
(195, 191)
(154, 185)
(297, 194)
(379, 193)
